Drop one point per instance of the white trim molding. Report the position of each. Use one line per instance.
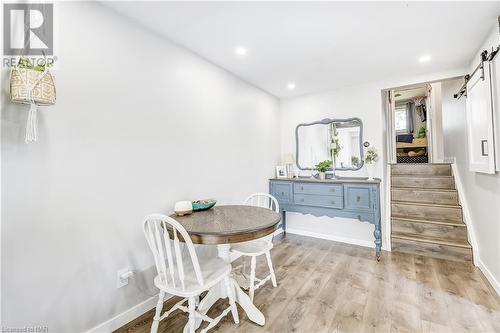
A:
(466, 212)
(127, 316)
(470, 227)
(388, 208)
(346, 240)
(489, 276)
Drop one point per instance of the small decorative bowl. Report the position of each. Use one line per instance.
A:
(205, 204)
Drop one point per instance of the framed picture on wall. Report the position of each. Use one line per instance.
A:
(280, 171)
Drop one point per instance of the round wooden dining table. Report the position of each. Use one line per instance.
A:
(221, 226)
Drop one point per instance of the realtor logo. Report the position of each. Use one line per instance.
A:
(28, 29)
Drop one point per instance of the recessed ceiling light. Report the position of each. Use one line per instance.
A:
(240, 51)
(291, 86)
(424, 58)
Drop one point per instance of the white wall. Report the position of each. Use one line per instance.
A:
(139, 124)
(482, 191)
(437, 149)
(363, 101)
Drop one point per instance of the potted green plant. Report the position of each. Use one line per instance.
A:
(323, 167)
(354, 161)
(335, 148)
(421, 132)
(370, 159)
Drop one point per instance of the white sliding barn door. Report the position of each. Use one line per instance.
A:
(480, 122)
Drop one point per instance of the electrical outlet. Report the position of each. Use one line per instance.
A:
(120, 282)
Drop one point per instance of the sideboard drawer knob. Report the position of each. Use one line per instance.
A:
(333, 189)
(358, 198)
(282, 193)
(302, 199)
(302, 188)
(333, 202)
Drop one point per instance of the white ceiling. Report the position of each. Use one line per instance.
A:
(321, 45)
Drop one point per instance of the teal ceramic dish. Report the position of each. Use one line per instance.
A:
(205, 204)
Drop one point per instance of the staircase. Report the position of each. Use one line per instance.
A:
(426, 216)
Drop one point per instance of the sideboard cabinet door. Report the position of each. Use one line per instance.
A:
(282, 191)
(358, 197)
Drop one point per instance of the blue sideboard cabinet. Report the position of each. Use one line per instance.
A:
(351, 198)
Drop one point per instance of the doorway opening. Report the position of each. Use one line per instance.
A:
(414, 124)
(411, 130)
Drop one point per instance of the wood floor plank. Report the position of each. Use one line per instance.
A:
(295, 311)
(377, 315)
(328, 287)
(461, 311)
(432, 327)
(290, 275)
(433, 309)
(320, 315)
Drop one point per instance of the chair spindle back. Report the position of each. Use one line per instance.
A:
(162, 234)
(263, 200)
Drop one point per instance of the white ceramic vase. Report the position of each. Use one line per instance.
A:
(322, 175)
(370, 168)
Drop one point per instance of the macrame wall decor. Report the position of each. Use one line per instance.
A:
(33, 85)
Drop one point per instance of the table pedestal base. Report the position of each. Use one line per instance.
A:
(219, 291)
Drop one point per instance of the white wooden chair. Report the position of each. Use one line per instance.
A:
(260, 246)
(184, 276)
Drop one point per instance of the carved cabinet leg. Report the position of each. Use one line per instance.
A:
(378, 241)
(283, 221)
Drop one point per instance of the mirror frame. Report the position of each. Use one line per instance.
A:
(328, 121)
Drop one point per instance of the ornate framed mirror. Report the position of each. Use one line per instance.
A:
(338, 140)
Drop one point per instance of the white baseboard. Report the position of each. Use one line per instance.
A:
(470, 227)
(125, 317)
(331, 237)
(466, 212)
(494, 283)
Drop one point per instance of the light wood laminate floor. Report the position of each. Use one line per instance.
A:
(325, 286)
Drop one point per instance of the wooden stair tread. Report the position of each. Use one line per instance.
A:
(433, 240)
(401, 175)
(423, 188)
(425, 204)
(434, 163)
(417, 220)
(430, 189)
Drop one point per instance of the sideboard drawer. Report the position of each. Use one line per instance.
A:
(319, 200)
(358, 197)
(321, 189)
(282, 192)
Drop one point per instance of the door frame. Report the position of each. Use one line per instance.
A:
(390, 105)
(390, 121)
